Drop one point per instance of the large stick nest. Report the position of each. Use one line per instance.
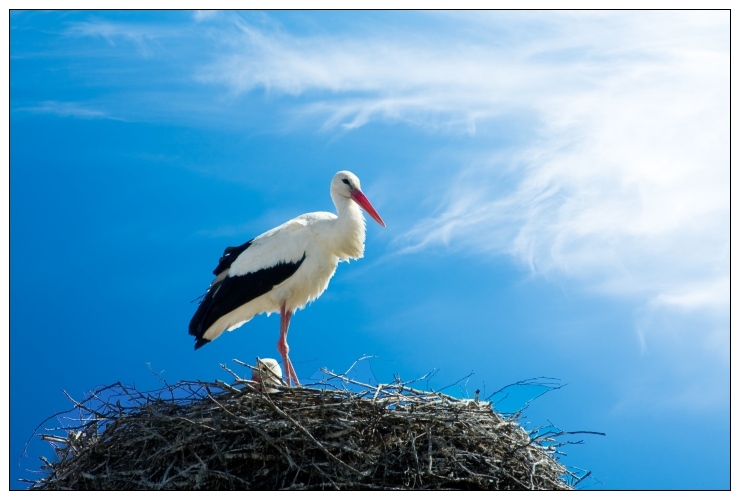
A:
(217, 436)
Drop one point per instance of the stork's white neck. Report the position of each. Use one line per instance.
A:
(348, 231)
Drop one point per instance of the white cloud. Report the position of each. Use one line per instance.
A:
(205, 15)
(112, 32)
(66, 109)
(623, 185)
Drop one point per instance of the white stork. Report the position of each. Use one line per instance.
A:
(285, 268)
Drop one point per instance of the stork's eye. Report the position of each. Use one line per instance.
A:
(346, 181)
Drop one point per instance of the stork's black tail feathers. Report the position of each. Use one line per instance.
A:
(200, 343)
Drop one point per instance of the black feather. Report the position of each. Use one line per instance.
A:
(235, 291)
(229, 256)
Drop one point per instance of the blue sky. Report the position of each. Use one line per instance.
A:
(555, 187)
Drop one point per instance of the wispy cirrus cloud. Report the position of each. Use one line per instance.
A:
(143, 36)
(623, 182)
(65, 109)
(358, 79)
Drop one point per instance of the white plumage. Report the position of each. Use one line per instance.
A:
(285, 268)
(268, 374)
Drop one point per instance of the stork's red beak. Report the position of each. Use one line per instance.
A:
(362, 200)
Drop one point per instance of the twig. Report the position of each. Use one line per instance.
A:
(307, 434)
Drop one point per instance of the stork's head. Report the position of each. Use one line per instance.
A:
(347, 184)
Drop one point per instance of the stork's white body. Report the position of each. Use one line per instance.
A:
(285, 268)
(314, 235)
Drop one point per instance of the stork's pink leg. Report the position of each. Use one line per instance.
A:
(282, 346)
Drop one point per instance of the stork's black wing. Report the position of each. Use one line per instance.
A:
(229, 256)
(232, 292)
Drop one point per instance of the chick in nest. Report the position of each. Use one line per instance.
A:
(268, 374)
